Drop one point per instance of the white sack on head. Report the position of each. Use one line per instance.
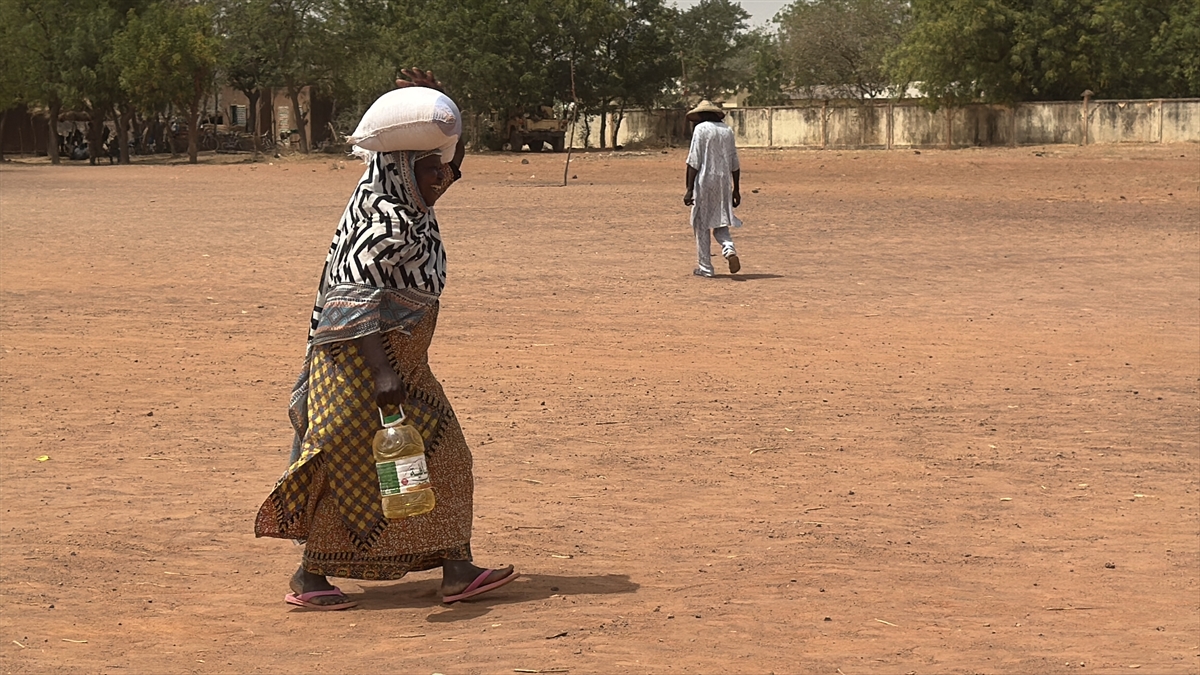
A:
(413, 118)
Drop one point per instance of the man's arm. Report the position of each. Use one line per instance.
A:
(688, 198)
(737, 187)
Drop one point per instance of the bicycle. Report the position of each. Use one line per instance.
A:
(208, 138)
(229, 142)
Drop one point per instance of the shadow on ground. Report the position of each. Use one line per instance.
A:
(529, 587)
(749, 277)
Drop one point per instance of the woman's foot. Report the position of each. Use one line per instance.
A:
(304, 581)
(458, 575)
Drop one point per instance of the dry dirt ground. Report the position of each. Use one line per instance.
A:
(946, 421)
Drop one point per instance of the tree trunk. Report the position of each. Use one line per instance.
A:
(299, 117)
(195, 107)
(252, 111)
(252, 118)
(603, 128)
(94, 126)
(52, 136)
(124, 119)
(824, 124)
(193, 123)
(3, 119)
(618, 117)
(170, 131)
(155, 133)
(139, 132)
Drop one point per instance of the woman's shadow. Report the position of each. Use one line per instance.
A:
(424, 594)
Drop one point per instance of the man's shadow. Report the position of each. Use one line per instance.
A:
(748, 277)
(424, 594)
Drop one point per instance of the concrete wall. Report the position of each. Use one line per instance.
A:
(751, 126)
(911, 125)
(979, 125)
(796, 127)
(1124, 122)
(1049, 123)
(917, 127)
(1180, 119)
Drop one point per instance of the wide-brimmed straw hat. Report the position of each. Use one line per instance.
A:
(703, 107)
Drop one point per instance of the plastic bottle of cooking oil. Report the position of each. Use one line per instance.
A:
(403, 475)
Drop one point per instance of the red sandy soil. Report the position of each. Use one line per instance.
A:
(947, 420)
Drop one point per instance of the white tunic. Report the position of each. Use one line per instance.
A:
(714, 156)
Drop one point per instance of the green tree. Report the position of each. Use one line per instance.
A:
(496, 56)
(13, 88)
(840, 45)
(707, 39)
(366, 44)
(348, 49)
(92, 78)
(588, 38)
(1143, 48)
(245, 60)
(167, 55)
(500, 57)
(39, 34)
(1176, 48)
(1018, 50)
(637, 56)
(124, 110)
(759, 64)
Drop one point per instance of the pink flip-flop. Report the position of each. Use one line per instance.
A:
(476, 589)
(303, 599)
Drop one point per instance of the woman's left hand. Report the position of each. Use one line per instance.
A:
(389, 388)
(415, 77)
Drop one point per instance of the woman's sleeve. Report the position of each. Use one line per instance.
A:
(351, 312)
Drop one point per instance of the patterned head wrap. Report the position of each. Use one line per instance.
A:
(386, 265)
(387, 241)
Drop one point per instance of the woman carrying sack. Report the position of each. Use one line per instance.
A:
(377, 305)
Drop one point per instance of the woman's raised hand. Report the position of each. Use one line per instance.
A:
(415, 77)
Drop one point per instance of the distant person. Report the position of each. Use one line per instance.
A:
(113, 149)
(368, 348)
(712, 167)
(80, 152)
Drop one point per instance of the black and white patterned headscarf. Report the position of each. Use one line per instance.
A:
(387, 240)
(385, 269)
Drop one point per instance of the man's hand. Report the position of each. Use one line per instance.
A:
(415, 77)
(737, 198)
(688, 199)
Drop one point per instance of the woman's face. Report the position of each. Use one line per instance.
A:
(433, 178)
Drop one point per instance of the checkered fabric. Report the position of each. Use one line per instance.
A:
(343, 424)
(343, 420)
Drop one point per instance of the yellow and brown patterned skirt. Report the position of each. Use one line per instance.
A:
(330, 495)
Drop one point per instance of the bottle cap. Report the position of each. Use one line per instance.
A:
(391, 420)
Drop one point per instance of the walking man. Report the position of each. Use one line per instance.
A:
(711, 164)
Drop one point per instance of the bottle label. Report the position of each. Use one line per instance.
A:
(401, 476)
